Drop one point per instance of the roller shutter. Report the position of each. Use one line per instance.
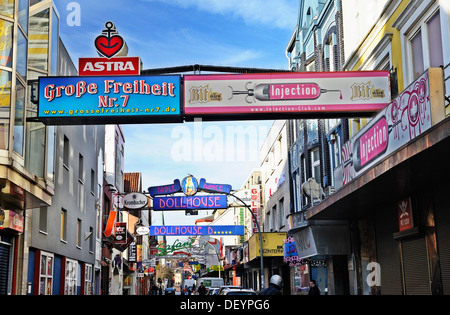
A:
(442, 220)
(388, 252)
(4, 268)
(415, 267)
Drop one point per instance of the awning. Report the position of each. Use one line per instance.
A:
(322, 240)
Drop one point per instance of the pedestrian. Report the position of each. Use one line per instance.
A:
(275, 285)
(201, 289)
(313, 288)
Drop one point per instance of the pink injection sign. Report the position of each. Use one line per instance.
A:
(404, 119)
(271, 94)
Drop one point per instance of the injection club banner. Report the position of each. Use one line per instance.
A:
(326, 93)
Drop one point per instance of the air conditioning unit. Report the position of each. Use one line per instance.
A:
(329, 190)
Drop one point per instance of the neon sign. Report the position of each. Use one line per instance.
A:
(166, 189)
(213, 187)
(175, 248)
(190, 202)
(185, 230)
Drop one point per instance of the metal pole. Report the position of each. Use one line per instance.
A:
(260, 237)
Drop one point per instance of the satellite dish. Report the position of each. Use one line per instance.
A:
(312, 189)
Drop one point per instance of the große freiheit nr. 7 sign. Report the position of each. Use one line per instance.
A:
(115, 99)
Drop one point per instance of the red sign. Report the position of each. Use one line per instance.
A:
(405, 216)
(113, 66)
(120, 235)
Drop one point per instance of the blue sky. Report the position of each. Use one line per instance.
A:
(167, 33)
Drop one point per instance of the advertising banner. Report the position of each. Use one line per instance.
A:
(326, 93)
(272, 245)
(404, 119)
(96, 100)
(222, 230)
(120, 235)
(11, 220)
(405, 215)
(255, 207)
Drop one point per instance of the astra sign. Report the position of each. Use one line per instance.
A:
(197, 230)
(104, 66)
(96, 100)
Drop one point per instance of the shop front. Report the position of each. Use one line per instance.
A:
(397, 206)
(17, 196)
(273, 262)
(321, 251)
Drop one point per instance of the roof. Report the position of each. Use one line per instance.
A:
(205, 220)
(132, 182)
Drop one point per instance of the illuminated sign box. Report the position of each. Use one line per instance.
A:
(190, 202)
(286, 94)
(221, 230)
(105, 66)
(102, 100)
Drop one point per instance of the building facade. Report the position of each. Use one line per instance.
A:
(61, 257)
(315, 151)
(394, 208)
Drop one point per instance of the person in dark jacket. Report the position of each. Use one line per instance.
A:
(313, 289)
(275, 285)
(201, 289)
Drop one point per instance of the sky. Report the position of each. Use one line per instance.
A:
(168, 33)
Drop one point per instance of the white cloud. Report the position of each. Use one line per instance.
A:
(280, 13)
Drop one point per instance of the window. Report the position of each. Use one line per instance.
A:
(267, 222)
(23, 14)
(313, 133)
(39, 45)
(274, 218)
(70, 283)
(281, 213)
(19, 118)
(5, 103)
(63, 225)
(329, 54)
(79, 232)
(417, 55)
(46, 274)
(315, 165)
(6, 53)
(51, 153)
(7, 8)
(435, 41)
(35, 137)
(91, 239)
(66, 152)
(22, 53)
(80, 168)
(425, 44)
(88, 279)
(92, 182)
(43, 219)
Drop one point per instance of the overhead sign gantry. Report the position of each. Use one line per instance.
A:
(111, 90)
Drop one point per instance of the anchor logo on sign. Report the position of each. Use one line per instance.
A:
(110, 43)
